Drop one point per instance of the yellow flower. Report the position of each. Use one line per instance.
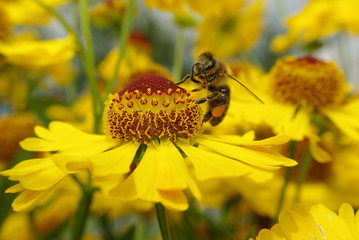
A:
(318, 20)
(154, 118)
(329, 183)
(318, 222)
(304, 96)
(24, 12)
(301, 87)
(38, 53)
(236, 29)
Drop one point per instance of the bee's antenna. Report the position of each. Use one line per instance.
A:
(252, 93)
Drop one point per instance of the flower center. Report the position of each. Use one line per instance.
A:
(307, 80)
(151, 106)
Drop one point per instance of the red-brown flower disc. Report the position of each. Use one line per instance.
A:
(152, 106)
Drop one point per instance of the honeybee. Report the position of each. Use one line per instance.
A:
(212, 74)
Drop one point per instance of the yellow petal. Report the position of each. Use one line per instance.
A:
(115, 161)
(318, 153)
(238, 140)
(71, 141)
(38, 53)
(70, 164)
(171, 169)
(346, 212)
(175, 200)
(160, 176)
(332, 226)
(285, 118)
(142, 182)
(299, 126)
(27, 199)
(14, 189)
(346, 119)
(127, 191)
(256, 156)
(31, 173)
(208, 165)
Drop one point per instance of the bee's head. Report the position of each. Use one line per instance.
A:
(204, 63)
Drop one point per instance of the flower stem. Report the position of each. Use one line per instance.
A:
(178, 54)
(83, 210)
(122, 39)
(62, 20)
(288, 173)
(303, 172)
(71, 89)
(89, 62)
(163, 222)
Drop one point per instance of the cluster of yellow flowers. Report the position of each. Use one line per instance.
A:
(100, 137)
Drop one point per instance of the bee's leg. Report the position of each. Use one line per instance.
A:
(196, 89)
(184, 79)
(203, 100)
(207, 116)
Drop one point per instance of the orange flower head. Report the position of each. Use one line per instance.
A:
(307, 80)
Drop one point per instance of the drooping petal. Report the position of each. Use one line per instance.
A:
(56, 138)
(317, 152)
(70, 164)
(346, 118)
(285, 118)
(244, 141)
(116, 161)
(31, 174)
(161, 176)
(171, 169)
(256, 156)
(28, 198)
(175, 200)
(14, 189)
(208, 165)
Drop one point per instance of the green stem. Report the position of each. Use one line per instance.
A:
(163, 222)
(178, 54)
(32, 223)
(140, 230)
(287, 176)
(89, 61)
(123, 40)
(62, 20)
(71, 89)
(83, 210)
(106, 228)
(302, 174)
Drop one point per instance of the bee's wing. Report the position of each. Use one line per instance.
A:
(245, 87)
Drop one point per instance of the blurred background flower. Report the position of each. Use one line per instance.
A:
(60, 60)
